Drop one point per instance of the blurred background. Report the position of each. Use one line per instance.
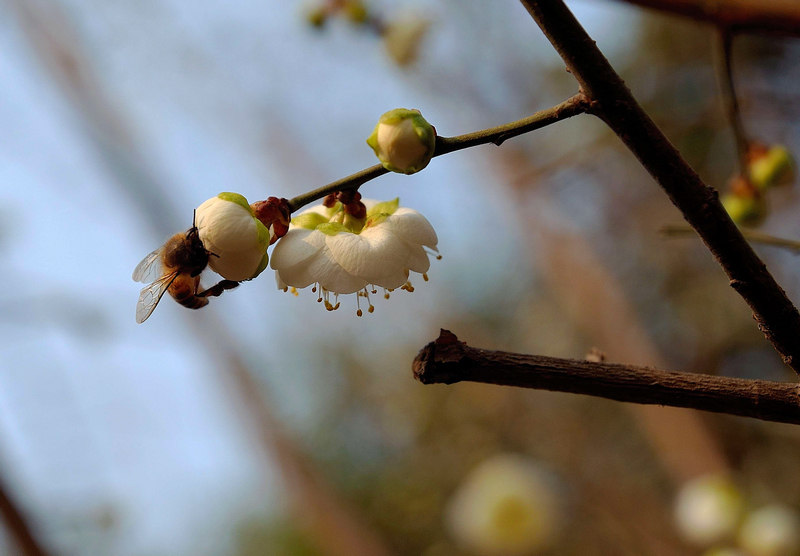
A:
(265, 425)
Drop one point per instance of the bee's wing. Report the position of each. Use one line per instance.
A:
(151, 295)
(150, 268)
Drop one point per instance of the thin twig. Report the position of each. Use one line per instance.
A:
(496, 135)
(448, 360)
(780, 17)
(612, 101)
(753, 236)
(18, 526)
(731, 101)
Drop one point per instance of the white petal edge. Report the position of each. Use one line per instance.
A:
(298, 245)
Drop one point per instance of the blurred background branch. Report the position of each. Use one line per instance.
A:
(755, 16)
(17, 525)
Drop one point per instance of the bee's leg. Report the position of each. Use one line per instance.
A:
(217, 289)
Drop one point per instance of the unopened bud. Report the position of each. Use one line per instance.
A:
(745, 203)
(235, 239)
(771, 167)
(403, 141)
(317, 15)
(403, 38)
(355, 11)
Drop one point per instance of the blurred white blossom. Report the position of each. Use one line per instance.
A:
(708, 510)
(507, 506)
(771, 531)
(727, 551)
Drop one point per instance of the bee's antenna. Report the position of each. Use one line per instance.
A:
(194, 218)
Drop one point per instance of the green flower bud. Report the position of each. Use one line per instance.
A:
(745, 211)
(773, 168)
(403, 141)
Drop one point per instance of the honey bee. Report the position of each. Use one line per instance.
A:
(175, 267)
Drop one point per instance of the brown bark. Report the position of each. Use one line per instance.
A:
(448, 360)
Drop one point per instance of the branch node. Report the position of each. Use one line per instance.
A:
(441, 361)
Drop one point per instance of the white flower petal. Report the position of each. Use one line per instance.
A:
(332, 276)
(412, 227)
(297, 276)
(236, 266)
(375, 253)
(418, 260)
(225, 226)
(296, 246)
(392, 281)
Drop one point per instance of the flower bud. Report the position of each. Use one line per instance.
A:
(234, 237)
(403, 38)
(355, 11)
(771, 531)
(708, 510)
(317, 15)
(771, 167)
(403, 141)
(749, 211)
(507, 506)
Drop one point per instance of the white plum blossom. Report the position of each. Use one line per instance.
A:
(708, 510)
(403, 141)
(771, 531)
(235, 239)
(507, 506)
(342, 255)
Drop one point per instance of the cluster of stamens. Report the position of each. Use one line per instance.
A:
(323, 295)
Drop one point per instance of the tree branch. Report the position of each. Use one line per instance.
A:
(496, 135)
(448, 360)
(612, 101)
(18, 527)
(754, 16)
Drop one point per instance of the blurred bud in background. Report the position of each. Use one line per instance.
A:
(403, 38)
(770, 166)
(708, 510)
(745, 204)
(508, 505)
